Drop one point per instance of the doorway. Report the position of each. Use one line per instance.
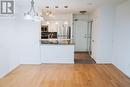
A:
(82, 33)
(83, 58)
(82, 28)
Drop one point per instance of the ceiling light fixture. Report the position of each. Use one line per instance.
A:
(90, 3)
(82, 12)
(65, 6)
(47, 6)
(32, 14)
(56, 7)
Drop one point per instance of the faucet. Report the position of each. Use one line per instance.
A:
(49, 35)
(52, 35)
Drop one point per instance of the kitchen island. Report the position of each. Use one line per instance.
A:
(57, 51)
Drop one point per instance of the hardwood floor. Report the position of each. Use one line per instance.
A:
(81, 55)
(83, 58)
(76, 75)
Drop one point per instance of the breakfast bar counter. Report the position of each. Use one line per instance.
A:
(57, 51)
(57, 42)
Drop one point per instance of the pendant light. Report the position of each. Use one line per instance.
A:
(32, 14)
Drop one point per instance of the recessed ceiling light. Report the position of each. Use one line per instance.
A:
(56, 7)
(47, 6)
(90, 3)
(83, 12)
(65, 6)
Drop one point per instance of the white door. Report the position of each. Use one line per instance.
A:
(80, 29)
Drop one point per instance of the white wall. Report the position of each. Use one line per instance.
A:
(102, 33)
(28, 33)
(8, 46)
(29, 42)
(121, 44)
(111, 36)
(19, 42)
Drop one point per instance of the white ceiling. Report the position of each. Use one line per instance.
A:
(74, 6)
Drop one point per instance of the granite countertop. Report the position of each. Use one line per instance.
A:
(57, 42)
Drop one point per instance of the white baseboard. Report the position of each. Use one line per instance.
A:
(30, 62)
(100, 61)
(122, 70)
(103, 62)
(11, 69)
